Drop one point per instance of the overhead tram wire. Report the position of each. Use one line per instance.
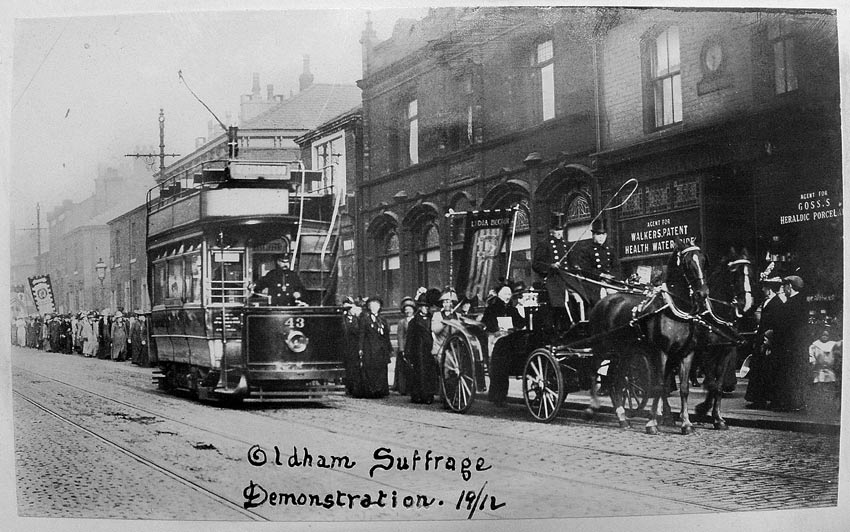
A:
(41, 64)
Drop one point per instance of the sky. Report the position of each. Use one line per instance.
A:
(85, 90)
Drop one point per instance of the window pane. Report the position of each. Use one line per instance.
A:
(661, 62)
(673, 48)
(469, 125)
(659, 103)
(779, 66)
(175, 279)
(547, 85)
(790, 70)
(414, 142)
(432, 237)
(544, 52)
(677, 98)
(413, 109)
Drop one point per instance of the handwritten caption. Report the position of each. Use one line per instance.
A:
(383, 461)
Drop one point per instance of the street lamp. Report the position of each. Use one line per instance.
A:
(100, 268)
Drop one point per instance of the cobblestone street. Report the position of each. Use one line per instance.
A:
(115, 447)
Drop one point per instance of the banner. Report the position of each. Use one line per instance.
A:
(42, 294)
(486, 233)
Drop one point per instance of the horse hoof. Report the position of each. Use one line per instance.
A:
(652, 431)
(589, 414)
(624, 424)
(687, 429)
(720, 425)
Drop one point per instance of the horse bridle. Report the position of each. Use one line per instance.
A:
(748, 285)
(700, 277)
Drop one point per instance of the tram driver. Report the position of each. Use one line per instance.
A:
(282, 285)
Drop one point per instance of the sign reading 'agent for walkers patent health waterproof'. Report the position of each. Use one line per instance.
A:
(640, 237)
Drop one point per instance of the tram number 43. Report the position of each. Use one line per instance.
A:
(296, 323)
(472, 501)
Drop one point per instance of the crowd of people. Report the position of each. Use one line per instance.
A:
(791, 361)
(119, 336)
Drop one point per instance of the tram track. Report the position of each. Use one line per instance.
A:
(558, 447)
(182, 479)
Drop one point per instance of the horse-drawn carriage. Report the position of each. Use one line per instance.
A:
(550, 362)
(640, 334)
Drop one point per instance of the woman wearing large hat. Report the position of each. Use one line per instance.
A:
(418, 345)
(374, 350)
(402, 362)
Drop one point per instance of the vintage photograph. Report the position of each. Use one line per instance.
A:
(402, 266)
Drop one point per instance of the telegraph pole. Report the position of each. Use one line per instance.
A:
(37, 237)
(162, 155)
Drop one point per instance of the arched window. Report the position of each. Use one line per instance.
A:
(390, 270)
(576, 209)
(428, 256)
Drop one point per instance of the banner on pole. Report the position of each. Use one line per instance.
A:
(42, 294)
(486, 233)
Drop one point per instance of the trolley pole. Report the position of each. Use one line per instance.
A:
(37, 230)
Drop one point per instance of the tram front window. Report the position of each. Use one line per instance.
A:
(227, 282)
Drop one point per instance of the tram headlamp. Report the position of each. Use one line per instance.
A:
(296, 341)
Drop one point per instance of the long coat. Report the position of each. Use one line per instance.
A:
(762, 375)
(402, 363)
(375, 349)
(592, 259)
(545, 254)
(418, 345)
(353, 378)
(792, 343)
(119, 339)
(89, 335)
(138, 342)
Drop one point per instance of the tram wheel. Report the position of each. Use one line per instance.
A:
(632, 383)
(543, 385)
(457, 374)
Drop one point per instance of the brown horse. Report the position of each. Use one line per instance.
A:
(661, 325)
(730, 308)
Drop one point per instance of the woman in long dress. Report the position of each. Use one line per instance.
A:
(89, 335)
(119, 338)
(375, 348)
(418, 347)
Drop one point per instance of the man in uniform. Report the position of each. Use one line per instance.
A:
(596, 260)
(282, 284)
(549, 257)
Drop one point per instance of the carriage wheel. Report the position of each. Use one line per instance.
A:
(543, 385)
(632, 383)
(457, 374)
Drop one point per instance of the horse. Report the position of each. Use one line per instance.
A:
(731, 309)
(661, 325)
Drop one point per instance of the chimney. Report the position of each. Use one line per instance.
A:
(367, 40)
(270, 92)
(255, 89)
(306, 78)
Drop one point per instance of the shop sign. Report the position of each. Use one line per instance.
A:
(657, 234)
(813, 206)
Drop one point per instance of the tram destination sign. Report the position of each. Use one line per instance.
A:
(259, 171)
(652, 235)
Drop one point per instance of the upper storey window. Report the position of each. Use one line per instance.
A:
(664, 78)
(413, 131)
(784, 64)
(545, 61)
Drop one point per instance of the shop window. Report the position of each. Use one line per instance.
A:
(784, 58)
(662, 74)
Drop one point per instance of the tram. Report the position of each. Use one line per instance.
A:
(212, 232)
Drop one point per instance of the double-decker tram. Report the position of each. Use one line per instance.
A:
(214, 232)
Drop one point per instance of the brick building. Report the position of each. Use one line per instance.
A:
(128, 284)
(336, 149)
(472, 108)
(728, 120)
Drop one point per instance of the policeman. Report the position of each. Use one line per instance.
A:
(595, 259)
(282, 285)
(549, 256)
